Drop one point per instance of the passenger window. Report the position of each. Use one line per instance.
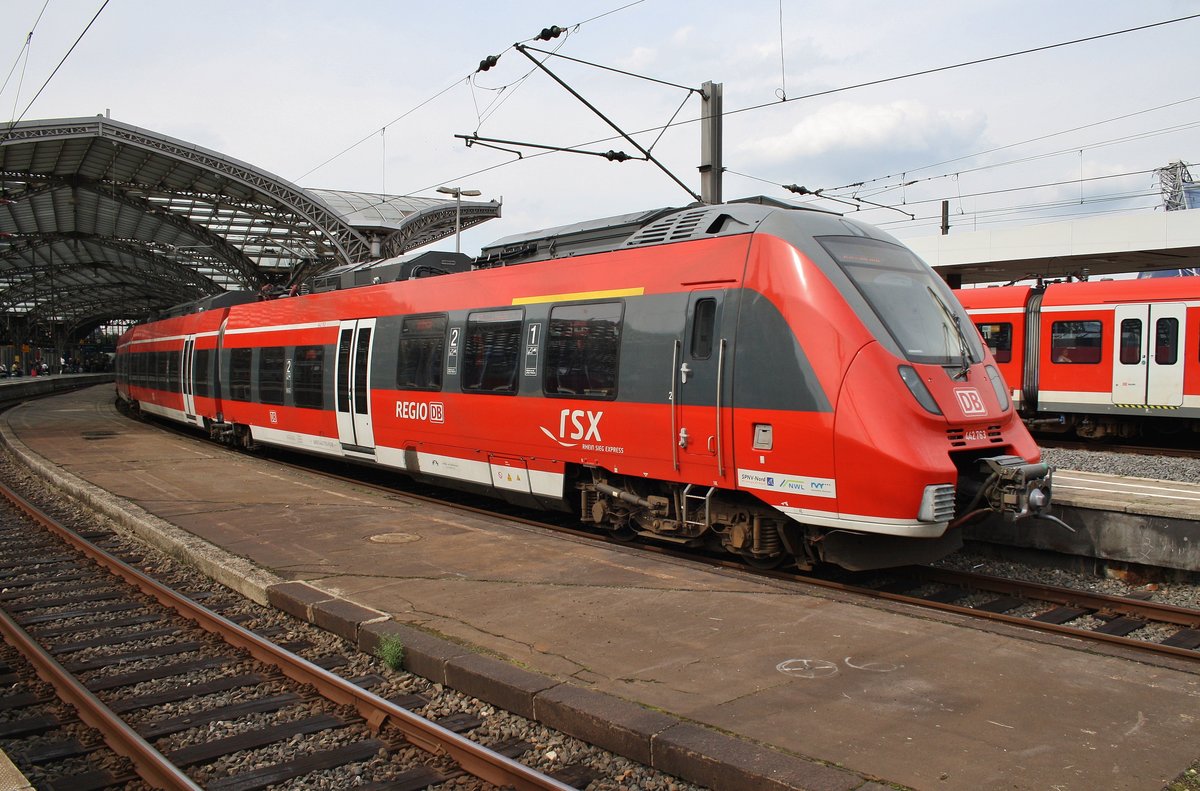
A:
(581, 350)
(1131, 342)
(703, 328)
(998, 338)
(172, 382)
(1166, 341)
(201, 375)
(420, 353)
(239, 374)
(270, 375)
(493, 347)
(308, 377)
(1075, 342)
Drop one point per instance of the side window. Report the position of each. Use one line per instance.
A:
(239, 374)
(270, 375)
(308, 377)
(581, 350)
(202, 373)
(703, 328)
(998, 338)
(1075, 342)
(1166, 341)
(493, 347)
(419, 356)
(171, 381)
(1131, 342)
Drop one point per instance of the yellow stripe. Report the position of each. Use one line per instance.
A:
(578, 295)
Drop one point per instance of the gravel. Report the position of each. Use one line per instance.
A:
(1163, 468)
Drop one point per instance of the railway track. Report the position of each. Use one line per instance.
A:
(1127, 621)
(101, 644)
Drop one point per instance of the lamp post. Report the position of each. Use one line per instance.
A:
(458, 192)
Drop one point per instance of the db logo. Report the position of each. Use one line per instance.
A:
(970, 402)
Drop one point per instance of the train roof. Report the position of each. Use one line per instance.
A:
(654, 226)
(1090, 292)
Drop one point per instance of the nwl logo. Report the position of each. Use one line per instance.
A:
(970, 401)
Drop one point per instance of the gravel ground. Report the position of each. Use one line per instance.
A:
(1164, 468)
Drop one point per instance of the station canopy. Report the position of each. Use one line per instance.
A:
(103, 221)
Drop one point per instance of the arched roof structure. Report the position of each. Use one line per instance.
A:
(100, 220)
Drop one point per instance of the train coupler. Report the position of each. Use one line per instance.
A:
(1018, 489)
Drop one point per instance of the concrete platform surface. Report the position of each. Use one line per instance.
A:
(852, 692)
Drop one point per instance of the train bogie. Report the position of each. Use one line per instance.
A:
(781, 385)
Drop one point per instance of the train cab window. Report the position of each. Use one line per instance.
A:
(308, 378)
(239, 374)
(202, 373)
(1166, 341)
(1131, 342)
(703, 328)
(998, 338)
(419, 355)
(270, 375)
(1075, 342)
(581, 350)
(493, 350)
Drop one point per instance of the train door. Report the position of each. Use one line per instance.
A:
(1148, 360)
(353, 386)
(701, 443)
(187, 380)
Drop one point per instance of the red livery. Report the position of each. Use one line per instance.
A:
(1100, 358)
(779, 383)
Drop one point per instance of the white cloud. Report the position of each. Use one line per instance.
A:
(899, 126)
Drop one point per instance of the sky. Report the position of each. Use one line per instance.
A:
(369, 96)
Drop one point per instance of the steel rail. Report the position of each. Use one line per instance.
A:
(1015, 620)
(151, 765)
(1150, 610)
(376, 711)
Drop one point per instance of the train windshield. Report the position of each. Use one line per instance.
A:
(915, 305)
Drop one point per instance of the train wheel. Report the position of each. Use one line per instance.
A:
(624, 534)
(765, 564)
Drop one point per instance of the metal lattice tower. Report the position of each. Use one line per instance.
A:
(1172, 180)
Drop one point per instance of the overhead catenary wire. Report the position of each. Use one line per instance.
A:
(465, 78)
(24, 51)
(880, 81)
(767, 105)
(96, 16)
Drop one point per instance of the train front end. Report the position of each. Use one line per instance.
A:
(925, 438)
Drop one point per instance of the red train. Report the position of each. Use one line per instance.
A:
(783, 384)
(1100, 358)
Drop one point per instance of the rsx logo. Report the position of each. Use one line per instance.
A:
(575, 429)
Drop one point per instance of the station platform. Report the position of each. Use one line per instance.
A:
(653, 658)
(1136, 521)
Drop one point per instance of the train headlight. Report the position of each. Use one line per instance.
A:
(998, 385)
(920, 392)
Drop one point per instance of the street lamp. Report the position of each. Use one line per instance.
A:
(458, 192)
